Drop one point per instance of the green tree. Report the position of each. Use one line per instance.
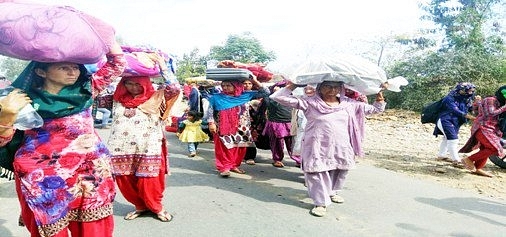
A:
(191, 65)
(242, 48)
(11, 67)
(471, 50)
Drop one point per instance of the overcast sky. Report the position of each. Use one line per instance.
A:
(289, 28)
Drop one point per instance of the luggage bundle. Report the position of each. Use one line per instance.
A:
(31, 31)
(256, 69)
(224, 74)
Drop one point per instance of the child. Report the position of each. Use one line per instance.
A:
(190, 131)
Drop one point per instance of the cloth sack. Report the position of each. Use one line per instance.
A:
(44, 33)
(139, 62)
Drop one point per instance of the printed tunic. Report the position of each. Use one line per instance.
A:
(241, 138)
(63, 167)
(143, 132)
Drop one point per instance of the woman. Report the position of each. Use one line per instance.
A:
(299, 122)
(229, 121)
(455, 112)
(63, 177)
(256, 116)
(277, 128)
(333, 137)
(485, 133)
(138, 144)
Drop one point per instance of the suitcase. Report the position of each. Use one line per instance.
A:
(224, 74)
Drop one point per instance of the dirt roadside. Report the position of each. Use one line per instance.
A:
(397, 141)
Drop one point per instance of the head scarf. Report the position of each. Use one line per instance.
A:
(122, 95)
(238, 88)
(466, 97)
(70, 100)
(227, 105)
(500, 94)
(466, 87)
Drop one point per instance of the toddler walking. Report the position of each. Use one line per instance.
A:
(190, 132)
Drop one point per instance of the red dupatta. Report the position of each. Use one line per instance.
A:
(126, 99)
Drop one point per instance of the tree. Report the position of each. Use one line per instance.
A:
(191, 65)
(471, 50)
(242, 48)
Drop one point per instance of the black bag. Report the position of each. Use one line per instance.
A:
(430, 113)
(8, 151)
(223, 74)
(262, 142)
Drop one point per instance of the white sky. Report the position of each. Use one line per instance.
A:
(289, 28)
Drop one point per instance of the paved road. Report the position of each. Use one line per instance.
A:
(268, 201)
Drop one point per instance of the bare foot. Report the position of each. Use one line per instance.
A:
(469, 164)
(483, 173)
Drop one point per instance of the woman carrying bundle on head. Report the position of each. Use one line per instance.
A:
(229, 121)
(333, 137)
(138, 144)
(63, 175)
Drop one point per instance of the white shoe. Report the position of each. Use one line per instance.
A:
(337, 199)
(318, 211)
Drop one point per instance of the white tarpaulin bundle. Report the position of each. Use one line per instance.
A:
(357, 73)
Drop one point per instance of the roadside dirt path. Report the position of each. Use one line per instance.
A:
(397, 141)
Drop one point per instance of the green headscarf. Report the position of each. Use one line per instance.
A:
(70, 100)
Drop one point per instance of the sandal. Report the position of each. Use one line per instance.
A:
(225, 174)
(238, 170)
(318, 211)
(164, 216)
(458, 164)
(278, 164)
(134, 214)
(445, 159)
(250, 162)
(337, 199)
(20, 221)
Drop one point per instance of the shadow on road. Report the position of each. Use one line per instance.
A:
(471, 207)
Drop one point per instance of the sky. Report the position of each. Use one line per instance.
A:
(291, 29)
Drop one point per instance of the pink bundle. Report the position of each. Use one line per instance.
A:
(141, 61)
(30, 31)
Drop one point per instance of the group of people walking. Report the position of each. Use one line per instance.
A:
(332, 140)
(461, 105)
(65, 175)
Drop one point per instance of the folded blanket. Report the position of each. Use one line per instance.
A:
(31, 31)
(256, 68)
